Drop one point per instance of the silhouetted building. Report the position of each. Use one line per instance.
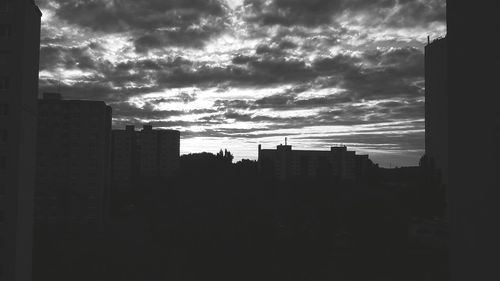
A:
(436, 106)
(73, 164)
(344, 163)
(19, 60)
(338, 163)
(363, 165)
(143, 155)
(124, 159)
(474, 138)
(158, 152)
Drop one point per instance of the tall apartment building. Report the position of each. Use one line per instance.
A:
(436, 106)
(344, 162)
(144, 155)
(124, 159)
(474, 138)
(19, 60)
(337, 163)
(73, 162)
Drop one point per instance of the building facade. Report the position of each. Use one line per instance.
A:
(145, 155)
(436, 106)
(19, 61)
(338, 163)
(73, 162)
(124, 159)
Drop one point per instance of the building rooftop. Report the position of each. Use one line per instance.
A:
(437, 39)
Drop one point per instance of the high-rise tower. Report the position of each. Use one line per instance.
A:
(19, 61)
(436, 106)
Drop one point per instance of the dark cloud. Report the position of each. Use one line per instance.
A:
(285, 44)
(146, 42)
(332, 111)
(395, 72)
(123, 110)
(287, 100)
(263, 49)
(154, 64)
(282, 70)
(414, 13)
(390, 104)
(232, 133)
(337, 64)
(390, 140)
(277, 48)
(56, 39)
(313, 13)
(66, 57)
(387, 137)
(256, 72)
(153, 23)
(292, 12)
(409, 58)
(415, 109)
(181, 97)
(186, 98)
(232, 104)
(341, 114)
(276, 101)
(240, 59)
(376, 74)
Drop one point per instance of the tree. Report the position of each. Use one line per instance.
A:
(228, 157)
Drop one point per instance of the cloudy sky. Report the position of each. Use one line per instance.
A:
(237, 73)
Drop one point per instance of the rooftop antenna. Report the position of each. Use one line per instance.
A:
(285, 140)
(428, 39)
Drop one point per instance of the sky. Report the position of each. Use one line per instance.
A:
(232, 74)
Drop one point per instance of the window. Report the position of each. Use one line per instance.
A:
(4, 83)
(5, 30)
(4, 109)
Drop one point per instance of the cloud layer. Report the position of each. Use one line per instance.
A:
(237, 74)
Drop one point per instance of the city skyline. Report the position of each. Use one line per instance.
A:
(234, 75)
(86, 194)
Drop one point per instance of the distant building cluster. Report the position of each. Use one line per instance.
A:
(337, 163)
(82, 163)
